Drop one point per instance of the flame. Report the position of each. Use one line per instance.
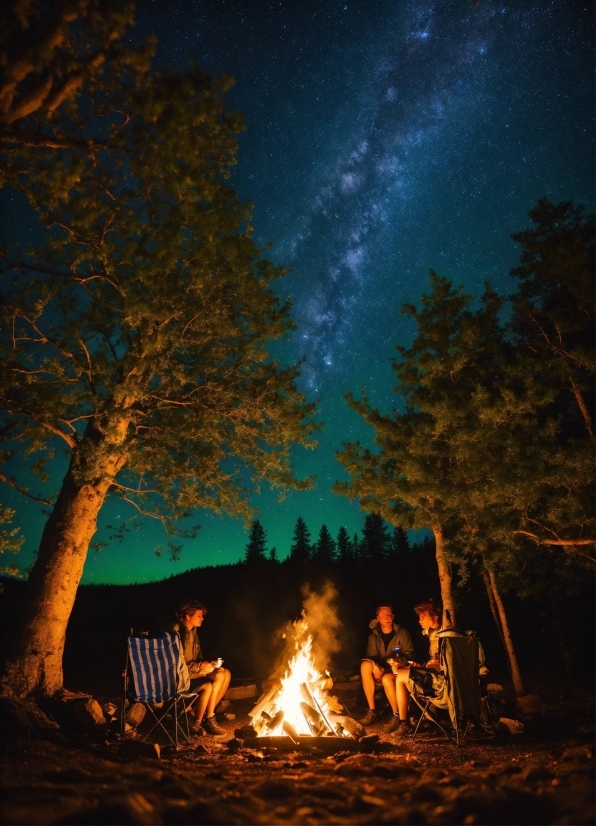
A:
(298, 705)
(301, 671)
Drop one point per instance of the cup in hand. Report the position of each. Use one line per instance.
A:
(219, 662)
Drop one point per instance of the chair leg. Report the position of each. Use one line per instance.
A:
(420, 719)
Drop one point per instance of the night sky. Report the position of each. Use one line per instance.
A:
(384, 137)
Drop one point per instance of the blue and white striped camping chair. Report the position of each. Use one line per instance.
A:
(160, 676)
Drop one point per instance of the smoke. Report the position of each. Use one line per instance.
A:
(319, 619)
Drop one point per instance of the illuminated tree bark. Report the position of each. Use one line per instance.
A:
(507, 639)
(449, 617)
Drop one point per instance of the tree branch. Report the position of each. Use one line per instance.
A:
(12, 484)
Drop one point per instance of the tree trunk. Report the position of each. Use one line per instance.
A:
(494, 611)
(56, 574)
(444, 579)
(509, 649)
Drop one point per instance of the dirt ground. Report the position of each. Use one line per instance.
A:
(543, 776)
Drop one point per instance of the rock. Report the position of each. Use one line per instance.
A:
(230, 716)
(89, 713)
(512, 726)
(138, 749)
(578, 754)
(242, 692)
(244, 732)
(109, 709)
(494, 689)
(223, 704)
(135, 714)
(356, 764)
(530, 704)
(354, 678)
(535, 771)
(369, 742)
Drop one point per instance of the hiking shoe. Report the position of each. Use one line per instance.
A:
(404, 729)
(211, 727)
(196, 729)
(392, 725)
(369, 718)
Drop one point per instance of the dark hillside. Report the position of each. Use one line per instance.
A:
(248, 604)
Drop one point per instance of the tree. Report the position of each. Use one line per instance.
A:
(324, 547)
(51, 52)
(413, 481)
(273, 555)
(554, 327)
(301, 547)
(256, 549)
(376, 542)
(399, 541)
(134, 336)
(343, 544)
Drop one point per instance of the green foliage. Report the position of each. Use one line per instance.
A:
(135, 335)
(495, 444)
(10, 541)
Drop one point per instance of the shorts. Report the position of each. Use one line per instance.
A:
(426, 681)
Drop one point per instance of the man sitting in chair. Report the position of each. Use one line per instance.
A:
(208, 678)
(427, 679)
(376, 669)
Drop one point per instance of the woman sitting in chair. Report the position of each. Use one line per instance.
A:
(208, 678)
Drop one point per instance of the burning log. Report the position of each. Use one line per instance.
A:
(289, 729)
(266, 701)
(272, 722)
(311, 701)
(314, 720)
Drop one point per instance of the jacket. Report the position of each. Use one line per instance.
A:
(376, 649)
(191, 648)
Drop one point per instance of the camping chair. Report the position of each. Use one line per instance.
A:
(458, 657)
(159, 676)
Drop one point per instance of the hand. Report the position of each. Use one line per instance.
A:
(206, 668)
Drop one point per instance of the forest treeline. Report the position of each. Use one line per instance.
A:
(135, 335)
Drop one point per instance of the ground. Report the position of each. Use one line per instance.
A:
(544, 776)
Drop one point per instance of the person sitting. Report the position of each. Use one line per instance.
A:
(376, 668)
(208, 678)
(427, 679)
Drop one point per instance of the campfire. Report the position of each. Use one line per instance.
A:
(298, 705)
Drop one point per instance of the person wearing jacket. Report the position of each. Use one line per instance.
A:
(208, 678)
(376, 667)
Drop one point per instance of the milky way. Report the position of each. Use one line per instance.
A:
(384, 137)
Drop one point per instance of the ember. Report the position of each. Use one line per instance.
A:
(298, 705)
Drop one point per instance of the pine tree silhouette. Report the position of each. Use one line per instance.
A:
(301, 547)
(345, 548)
(324, 549)
(257, 544)
(399, 542)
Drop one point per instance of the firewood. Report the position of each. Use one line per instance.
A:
(275, 721)
(314, 720)
(289, 729)
(265, 703)
(311, 700)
